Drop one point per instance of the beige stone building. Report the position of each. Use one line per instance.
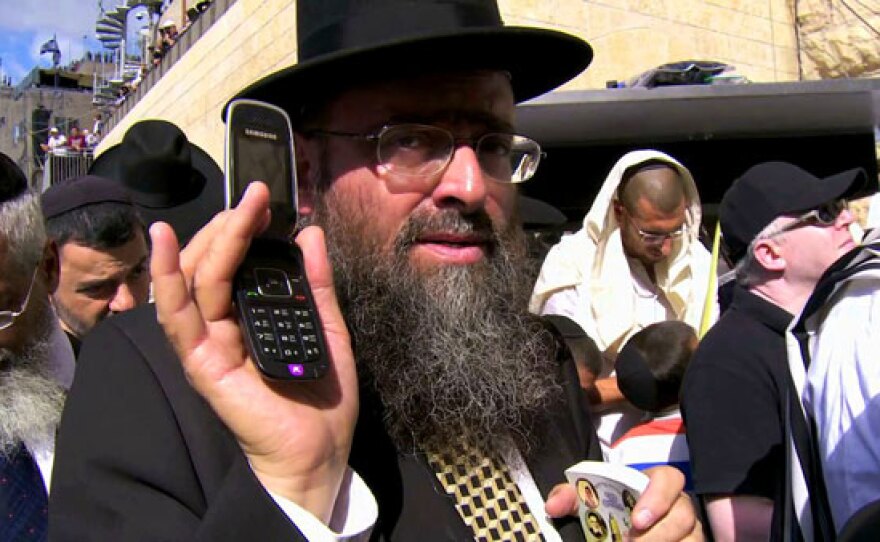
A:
(238, 41)
(21, 127)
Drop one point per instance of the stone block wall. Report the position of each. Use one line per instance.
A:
(255, 37)
(632, 36)
(840, 38)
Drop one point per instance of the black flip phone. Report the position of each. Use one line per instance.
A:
(275, 306)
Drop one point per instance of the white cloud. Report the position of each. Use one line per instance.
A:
(68, 17)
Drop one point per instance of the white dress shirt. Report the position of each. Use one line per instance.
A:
(61, 366)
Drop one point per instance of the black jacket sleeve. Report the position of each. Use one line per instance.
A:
(140, 456)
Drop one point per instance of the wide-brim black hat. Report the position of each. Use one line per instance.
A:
(537, 214)
(345, 42)
(168, 177)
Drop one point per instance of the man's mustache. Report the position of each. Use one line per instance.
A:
(448, 221)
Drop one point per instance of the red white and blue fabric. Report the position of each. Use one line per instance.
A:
(659, 441)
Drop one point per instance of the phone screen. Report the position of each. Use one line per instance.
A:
(263, 156)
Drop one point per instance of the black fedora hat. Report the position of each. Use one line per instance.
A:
(342, 42)
(536, 214)
(168, 177)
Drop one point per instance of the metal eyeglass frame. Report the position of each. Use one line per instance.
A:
(7, 318)
(377, 136)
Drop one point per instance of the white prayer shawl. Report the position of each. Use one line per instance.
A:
(594, 254)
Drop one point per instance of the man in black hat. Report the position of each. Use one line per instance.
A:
(784, 227)
(36, 361)
(407, 159)
(102, 248)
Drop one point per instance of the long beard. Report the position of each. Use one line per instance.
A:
(30, 399)
(451, 351)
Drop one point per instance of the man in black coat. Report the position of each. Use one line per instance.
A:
(407, 160)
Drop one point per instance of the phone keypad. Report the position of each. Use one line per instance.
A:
(285, 327)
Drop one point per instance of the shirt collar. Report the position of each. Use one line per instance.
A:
(773, 316)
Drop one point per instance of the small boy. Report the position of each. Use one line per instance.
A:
(650, 368)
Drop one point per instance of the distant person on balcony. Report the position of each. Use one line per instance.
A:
(98, 126)
(55, 141)
(171, 32)
(77, 140)
(91, 139)
(155, 55)
(167, 36)
(102, 249)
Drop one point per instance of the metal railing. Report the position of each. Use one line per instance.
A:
(184, 42)
(63, 164)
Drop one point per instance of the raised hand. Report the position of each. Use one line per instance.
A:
(297, 436)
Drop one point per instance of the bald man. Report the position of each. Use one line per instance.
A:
(636, 261)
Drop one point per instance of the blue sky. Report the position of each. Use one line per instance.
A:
(26, 24)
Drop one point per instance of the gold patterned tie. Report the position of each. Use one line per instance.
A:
(486, 497)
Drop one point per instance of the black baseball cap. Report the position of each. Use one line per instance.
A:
(772, 189)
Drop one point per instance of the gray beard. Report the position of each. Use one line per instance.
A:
(30, 399)
(449, 352)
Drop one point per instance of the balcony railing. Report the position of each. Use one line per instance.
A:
(185, 40)
(63, 164)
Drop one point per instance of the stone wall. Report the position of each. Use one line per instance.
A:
(256, 37)
(74, 106)
(253, 37)
(839, 38)
(632, 36)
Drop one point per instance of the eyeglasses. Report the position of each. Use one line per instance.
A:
(410, 152)
(824, 215)
(7, 318)
(652, 237)
(658, 238)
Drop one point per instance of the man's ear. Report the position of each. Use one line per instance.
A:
(50, 265)
(618, 209)
(308, 167)
(768, 254)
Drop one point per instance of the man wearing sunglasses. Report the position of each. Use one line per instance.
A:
(637, 260)
(783, 227)
(36, 361)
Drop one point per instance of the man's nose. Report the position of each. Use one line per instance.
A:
(845, 218)
(462, 184)
(666, 247)
(123, 300)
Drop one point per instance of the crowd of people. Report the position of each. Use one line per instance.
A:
(460, 388)
(75, 141)
(167, 34)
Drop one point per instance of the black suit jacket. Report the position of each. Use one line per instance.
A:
(141, 456)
